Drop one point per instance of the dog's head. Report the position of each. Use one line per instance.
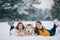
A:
(29, 28)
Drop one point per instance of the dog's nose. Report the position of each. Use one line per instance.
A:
(28, 31)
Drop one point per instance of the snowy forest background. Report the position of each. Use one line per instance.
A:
(26, 10)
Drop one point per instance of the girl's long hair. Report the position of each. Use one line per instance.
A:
(18, 25)
(36, 24)
(36, 29)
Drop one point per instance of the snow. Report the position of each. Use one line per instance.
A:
(4, 31)
(44, 4)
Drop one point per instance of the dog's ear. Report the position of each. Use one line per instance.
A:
(25, 25)
(32, 25)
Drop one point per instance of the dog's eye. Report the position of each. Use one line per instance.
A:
(28, 31)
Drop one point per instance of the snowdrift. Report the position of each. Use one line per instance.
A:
(4, 31)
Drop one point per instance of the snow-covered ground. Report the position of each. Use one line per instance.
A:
(4, 31)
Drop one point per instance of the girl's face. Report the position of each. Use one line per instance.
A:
(20, 26)
(39, 26)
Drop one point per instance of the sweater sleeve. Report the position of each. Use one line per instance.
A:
(13, 32)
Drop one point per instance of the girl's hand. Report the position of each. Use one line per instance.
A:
(19, 35)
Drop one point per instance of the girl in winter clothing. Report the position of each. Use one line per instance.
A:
(19, 30)
(41, 30)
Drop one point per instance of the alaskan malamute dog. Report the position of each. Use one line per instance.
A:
(29, 30)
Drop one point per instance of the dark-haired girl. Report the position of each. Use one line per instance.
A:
(41, 30)
(19, 30)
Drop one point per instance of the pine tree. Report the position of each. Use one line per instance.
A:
(8, 9)
(56, 10)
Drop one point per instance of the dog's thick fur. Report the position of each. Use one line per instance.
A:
(29, 30)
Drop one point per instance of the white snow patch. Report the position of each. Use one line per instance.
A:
(44, 4)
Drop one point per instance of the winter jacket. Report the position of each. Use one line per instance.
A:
(16, 32)
(43, 32)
